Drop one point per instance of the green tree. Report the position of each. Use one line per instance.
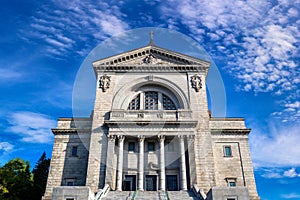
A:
(15, 180)
(40, 175)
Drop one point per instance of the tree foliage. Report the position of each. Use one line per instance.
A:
(40, 175)
(15, 180)
(18, 183)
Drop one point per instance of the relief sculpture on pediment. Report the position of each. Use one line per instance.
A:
(150, 59)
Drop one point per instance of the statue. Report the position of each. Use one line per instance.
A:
(196, 82)
(104, 82)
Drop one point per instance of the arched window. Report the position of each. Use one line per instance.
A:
(168, 104)
(135, 103)
(151, 100)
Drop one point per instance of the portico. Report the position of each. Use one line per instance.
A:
(150, 173)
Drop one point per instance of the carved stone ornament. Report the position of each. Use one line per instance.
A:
(150, 59)
(112, 138)
(196, 82)
(104, 82)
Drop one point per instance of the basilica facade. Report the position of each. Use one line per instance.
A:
(151, 130)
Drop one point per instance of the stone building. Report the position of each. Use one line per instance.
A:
(150, 130)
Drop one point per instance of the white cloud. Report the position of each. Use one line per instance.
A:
(258, 39)
(279, 149)
(6, 146)
(291, 196)
(278, 173)
(63, 25)
(291, 173)
(31, 127)
(9, 74)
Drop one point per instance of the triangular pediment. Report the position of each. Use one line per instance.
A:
(150, 55)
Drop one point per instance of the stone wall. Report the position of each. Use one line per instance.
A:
(64, 167)
(74, 192)
(238, 166)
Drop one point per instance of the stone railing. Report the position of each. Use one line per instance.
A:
(153, 115)
(199, 192)
(79, 123)
(227, 123)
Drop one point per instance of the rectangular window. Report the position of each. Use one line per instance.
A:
(170, 146)
(151, 146)
(232, 183)
(131, 146)
(74, 151)
(70, 198)
(70, 183)
(227, 151)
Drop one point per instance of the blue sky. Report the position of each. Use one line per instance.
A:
(254, 44)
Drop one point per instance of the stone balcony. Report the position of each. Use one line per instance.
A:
(150, 115)
(151, 122)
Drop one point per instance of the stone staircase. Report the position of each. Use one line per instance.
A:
(144, 195)
(179, 195)
(150, 195)
(119, 195)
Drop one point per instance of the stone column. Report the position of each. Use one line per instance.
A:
(109, 177)
(162, 173)
(183, 180)
(120, 162)
(141, 139)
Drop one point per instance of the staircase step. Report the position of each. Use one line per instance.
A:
(119, 195)
(179, 195)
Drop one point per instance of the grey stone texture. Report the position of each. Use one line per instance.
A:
(189, 129)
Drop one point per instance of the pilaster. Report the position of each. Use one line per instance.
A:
(120, 162)
(162, 173)
(110, 161)
(141, 140)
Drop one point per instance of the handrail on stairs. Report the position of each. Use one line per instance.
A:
(167, 195)
(102, 192)
(134, 195)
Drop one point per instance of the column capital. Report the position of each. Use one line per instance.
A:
(141, 138)
(191, 137)
(161, 138)
(121, 137)
(181, 136)
(111, 138)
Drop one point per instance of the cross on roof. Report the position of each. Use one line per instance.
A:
(151, 33)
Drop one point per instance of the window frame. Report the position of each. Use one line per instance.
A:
(70, 182)
(231, 198)
(131, 144)
(226, 152)
(74, 151)
(231, 180)
(152, 143)
(170, 147)
(152, 100)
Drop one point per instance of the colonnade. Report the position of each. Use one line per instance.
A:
(162, 172)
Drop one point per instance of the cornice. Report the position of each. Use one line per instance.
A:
(230, 131)
(150, 68)
(69, 130)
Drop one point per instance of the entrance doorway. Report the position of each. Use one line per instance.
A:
(129, 183)
(172, 183)
(151, 183)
